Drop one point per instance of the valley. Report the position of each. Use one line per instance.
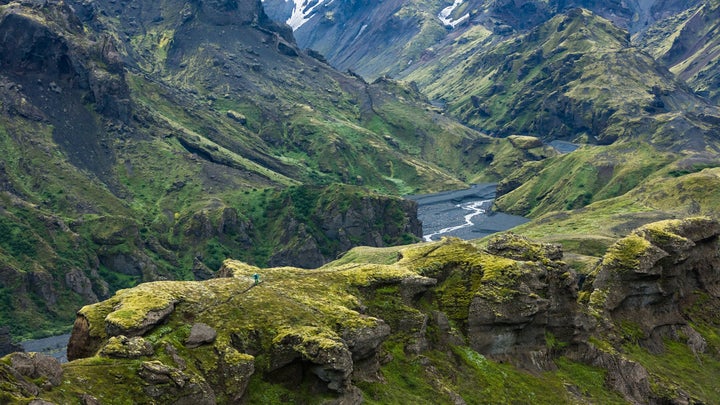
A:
(405, 201)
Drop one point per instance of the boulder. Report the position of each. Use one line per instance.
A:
(151, 318)
(37, 365)
(236, 116)
(200, 334)
(78, 282)
(167, 384)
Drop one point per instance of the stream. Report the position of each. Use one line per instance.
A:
(464, 214)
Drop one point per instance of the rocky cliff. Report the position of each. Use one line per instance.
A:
(384, 323)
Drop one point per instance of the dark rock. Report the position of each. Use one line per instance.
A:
(234, 372)
(511, 323)
(170, 385)
(172, 352)
(87, 399)
(201, 271)
(200, 334)
(41, 283)
(365, 342)
(643, 275)
(78, 282)
(240, 118)
(411, 287)
(330, 363)
(37, 365)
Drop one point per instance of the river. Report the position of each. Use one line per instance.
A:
(55, 346)
(465, 214)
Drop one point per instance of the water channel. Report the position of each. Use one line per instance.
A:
(465, 214)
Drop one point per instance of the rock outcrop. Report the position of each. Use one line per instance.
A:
(650, 277)
(333, 330)
(316, 225)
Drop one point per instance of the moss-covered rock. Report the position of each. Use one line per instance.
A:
(642, 276)
(435, 313)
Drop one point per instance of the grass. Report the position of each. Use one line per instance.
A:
(678, 368)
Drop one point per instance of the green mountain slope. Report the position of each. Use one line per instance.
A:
(687, 44)
(575, 78)
(152, 141)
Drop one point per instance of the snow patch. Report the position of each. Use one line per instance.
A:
(303, 10)
(444, 15)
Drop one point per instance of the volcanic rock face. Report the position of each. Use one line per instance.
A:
(650, 278)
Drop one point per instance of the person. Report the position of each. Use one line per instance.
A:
(256, 277)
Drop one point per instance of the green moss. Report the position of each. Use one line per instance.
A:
(234, 357)
(552, 342)
(108, 380)
(136, 304)
(626, 253)
(596, 304)
(631, 331)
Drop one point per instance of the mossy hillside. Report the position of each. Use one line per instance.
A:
(685, 43)
(465, 272)
(440, 376)
(365, 254)
(329, 138)
(452, 52)
(278, 216)
(318, 307)
(591, 230)
(313, 306)
(587, 84)
(678, 368)
(581, 177)
(41, 236)
(179, 160)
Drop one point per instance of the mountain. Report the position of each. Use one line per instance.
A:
(442, 322)
(151, 141)
(576, 77)
(687, 44)
(388, 37)
(190, 178)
